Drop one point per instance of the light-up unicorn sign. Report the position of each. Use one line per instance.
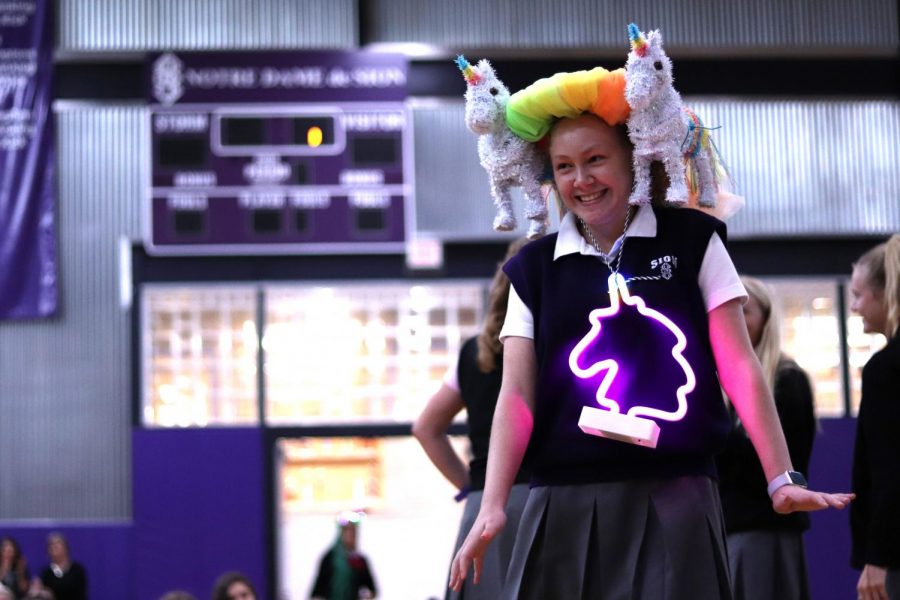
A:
(610, 422)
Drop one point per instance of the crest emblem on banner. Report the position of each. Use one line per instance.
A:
(167, 79)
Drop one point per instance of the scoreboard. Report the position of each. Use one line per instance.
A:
(279, 153)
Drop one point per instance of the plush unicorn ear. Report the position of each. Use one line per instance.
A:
(485, 69)
(654, 38)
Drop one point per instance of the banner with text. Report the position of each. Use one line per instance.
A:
(28, 281)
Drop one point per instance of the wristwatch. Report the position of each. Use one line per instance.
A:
(787, 478)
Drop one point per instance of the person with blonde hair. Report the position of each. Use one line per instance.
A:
(765, 549)
(473, 384)
(64, 577)
(875, 516)
(622, 499)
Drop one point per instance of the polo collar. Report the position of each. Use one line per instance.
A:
(570, 241)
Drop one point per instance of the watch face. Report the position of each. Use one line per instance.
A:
(797, 478)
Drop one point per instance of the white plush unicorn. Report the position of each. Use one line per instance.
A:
(509, 160)
(662, 129)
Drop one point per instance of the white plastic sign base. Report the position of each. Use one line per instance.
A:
(616, 426)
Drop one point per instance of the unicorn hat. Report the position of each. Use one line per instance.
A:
(641, 96)
(531, 112)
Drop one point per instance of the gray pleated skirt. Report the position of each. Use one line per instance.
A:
(499, 552)
(659, 539)
(767, 564)
(892, 583)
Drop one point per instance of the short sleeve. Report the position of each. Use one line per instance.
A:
(451, 377)
(519, 320)
(718, 279)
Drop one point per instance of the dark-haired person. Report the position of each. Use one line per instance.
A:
(233, 586)
(13, 568)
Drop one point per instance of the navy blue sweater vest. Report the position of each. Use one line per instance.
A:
(561, 294)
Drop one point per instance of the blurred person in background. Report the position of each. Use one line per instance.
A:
(344, 572)
(473, 384)
(13, 568)
(233, 586)
(765, 549)
(875, 516)
(178, 595)
(63, 577)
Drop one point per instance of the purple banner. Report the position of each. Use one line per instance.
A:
(28, 286)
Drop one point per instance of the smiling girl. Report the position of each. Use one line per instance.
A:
(607, 519)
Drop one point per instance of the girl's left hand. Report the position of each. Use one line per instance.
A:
(793, 498)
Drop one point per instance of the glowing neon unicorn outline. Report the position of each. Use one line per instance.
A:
(618, 290)
(509, 160)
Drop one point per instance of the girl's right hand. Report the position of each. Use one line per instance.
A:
(487, 526)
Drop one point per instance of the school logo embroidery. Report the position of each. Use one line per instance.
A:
(665, 265)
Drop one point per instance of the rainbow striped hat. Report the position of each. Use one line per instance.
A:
(532, 111)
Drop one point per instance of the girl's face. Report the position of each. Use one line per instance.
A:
(240, 591)
(592, 170)
(755, 317)
(57, 551)
(868, 301)
(7, 551)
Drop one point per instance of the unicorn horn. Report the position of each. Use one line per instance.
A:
(638, 41)
(468, 72)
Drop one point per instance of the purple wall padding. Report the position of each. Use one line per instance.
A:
(199, 509)
(828, 539)
(104, 549)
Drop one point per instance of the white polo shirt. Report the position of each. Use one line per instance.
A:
(718, 279)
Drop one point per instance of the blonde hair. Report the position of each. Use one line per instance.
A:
(768, 349)
(489, 347)
(882, 270)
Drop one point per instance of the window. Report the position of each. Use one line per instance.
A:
(811, 336)
(199, 356)
(410, 524)
(343, 353)
(362, 353)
